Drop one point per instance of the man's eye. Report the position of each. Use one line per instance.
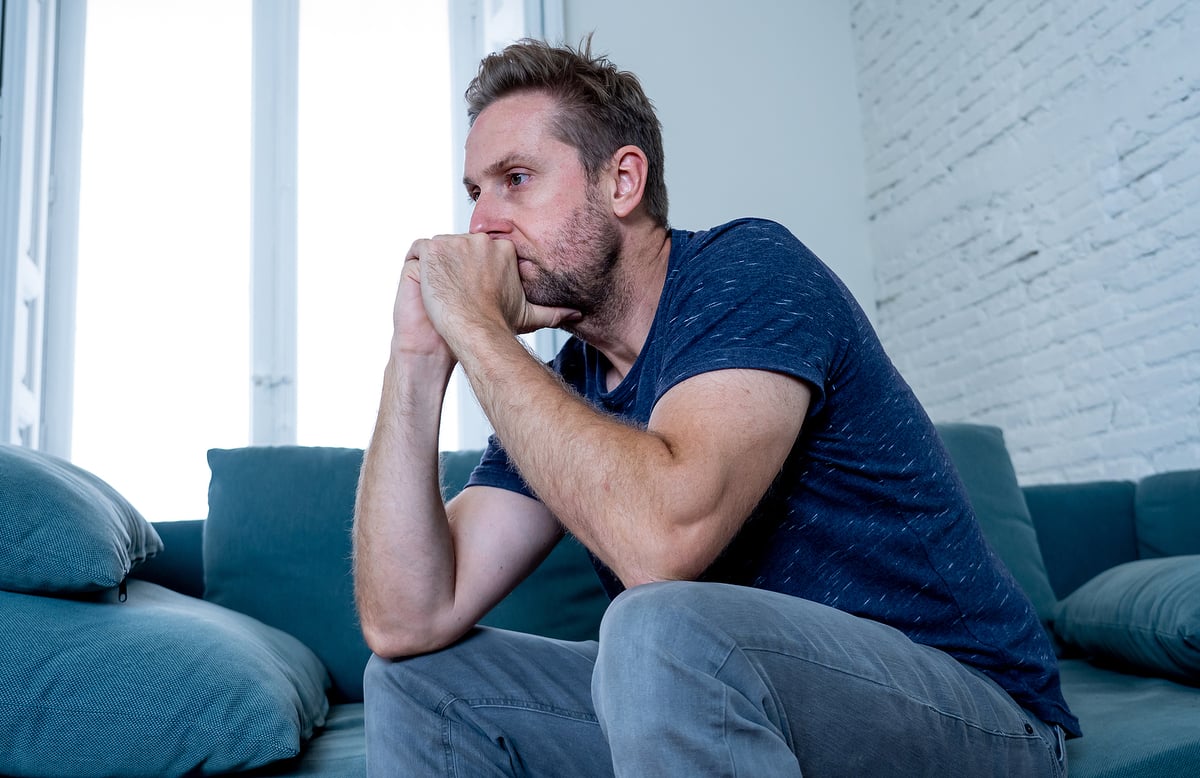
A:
(472, 195)
(516, 179)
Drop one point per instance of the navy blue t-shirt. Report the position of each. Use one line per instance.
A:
(868, 514)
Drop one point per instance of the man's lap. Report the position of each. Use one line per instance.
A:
(842, 693)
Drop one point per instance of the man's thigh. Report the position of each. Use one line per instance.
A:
(845, 695)
(495, 703)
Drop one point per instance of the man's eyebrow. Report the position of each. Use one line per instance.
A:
(499, 166)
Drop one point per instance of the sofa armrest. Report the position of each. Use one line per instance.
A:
(1083, 529)
(180, 565)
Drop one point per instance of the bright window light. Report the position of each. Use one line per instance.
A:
(374, 175)
(163, 343)
(162, 340)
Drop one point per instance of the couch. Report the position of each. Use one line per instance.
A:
(230, 644)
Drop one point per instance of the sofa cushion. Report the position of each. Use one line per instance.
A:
(62, 529)
(1142, 615)
(277, 546)
(1168, 514)
(983, 463)
(1132, 726)
(159, 685)
(340, 751)
(1101, 511)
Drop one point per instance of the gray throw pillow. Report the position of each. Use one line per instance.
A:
(159, 685)
(1143, 615)
(62, 529)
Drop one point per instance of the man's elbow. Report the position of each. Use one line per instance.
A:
(397, 643)
(387, 644)
(680, 555)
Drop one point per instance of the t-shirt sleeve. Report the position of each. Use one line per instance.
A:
(495, 469)
(754, 297)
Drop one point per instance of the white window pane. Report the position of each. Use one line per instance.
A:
(162, 347)
(374, 175)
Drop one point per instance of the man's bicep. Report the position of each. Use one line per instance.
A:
(730, 432)
(499, 538)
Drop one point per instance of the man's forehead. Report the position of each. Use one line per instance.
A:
(514, 131)
(525, 113)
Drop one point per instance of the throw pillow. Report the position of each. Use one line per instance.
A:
(62, 529)
(277, 546)
(1143, 614)
(983, 463)
(159, 685)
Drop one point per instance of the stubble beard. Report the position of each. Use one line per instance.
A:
(587, 253)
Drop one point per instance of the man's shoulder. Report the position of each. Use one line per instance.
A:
(737, 231)
(748, 251)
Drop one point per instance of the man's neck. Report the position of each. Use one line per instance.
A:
(620, 331)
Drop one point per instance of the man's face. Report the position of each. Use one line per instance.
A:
(530, 188)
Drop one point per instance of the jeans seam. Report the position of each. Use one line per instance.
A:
(444, 704)
(447, 742)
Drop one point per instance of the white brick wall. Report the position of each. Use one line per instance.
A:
(1033, 178)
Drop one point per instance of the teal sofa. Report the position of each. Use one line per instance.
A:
(233, 644)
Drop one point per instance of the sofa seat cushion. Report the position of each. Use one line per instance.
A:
(1143, 616)
(1132, 725)
(340, 751)
(159, 685)
(63, 529)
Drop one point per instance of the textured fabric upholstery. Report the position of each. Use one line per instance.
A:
(63, 529)
(159, 685)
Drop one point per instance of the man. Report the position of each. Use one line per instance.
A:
(800, 585)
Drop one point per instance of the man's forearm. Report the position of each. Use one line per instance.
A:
(594, 472)
(403, 555)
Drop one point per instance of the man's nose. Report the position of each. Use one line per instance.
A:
(490, 216)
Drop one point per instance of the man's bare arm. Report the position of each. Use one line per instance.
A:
(424, 574)
(654, 504)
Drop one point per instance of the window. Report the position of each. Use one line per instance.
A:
(375, 173)
(164, 309)
(131, 200)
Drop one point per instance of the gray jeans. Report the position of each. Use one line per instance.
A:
(700, 679)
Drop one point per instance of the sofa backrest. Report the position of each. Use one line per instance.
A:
(1083, 529)
(1168, 514)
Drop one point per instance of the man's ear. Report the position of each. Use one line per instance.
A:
(629, 169)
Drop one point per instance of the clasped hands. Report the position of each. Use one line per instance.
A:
(457, 289)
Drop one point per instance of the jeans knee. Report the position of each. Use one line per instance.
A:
(383, 682)
(650, 612)
(375, 675)
(649, 634)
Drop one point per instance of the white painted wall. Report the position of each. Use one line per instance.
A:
(760, 113)
(1034, 201)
